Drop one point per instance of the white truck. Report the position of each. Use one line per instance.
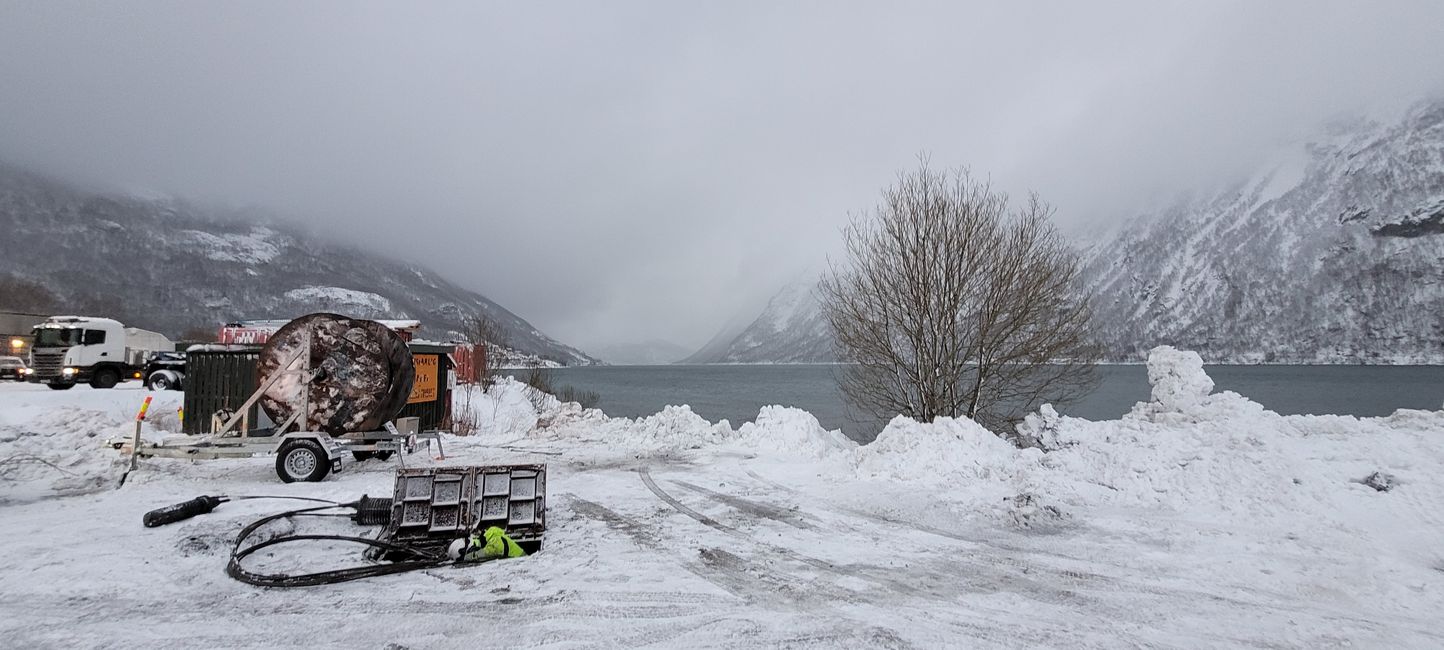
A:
(99, 351)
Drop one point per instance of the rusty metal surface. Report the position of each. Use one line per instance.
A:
(363, 373)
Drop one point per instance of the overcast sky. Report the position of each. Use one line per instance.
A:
(616, 172)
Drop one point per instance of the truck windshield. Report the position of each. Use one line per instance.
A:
(49, 337)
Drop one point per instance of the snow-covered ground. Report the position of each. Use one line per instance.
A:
(1198, 520)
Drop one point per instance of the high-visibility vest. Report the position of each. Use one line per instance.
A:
(492, 544)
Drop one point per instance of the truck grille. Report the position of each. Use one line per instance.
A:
(47, 364)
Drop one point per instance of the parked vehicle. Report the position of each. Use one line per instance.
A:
(13, 368)
(99, 351)
(165, 371)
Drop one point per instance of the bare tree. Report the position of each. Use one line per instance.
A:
(488, 347)
(951, 303)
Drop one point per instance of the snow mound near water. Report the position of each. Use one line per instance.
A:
(949, 451)
(787, 430)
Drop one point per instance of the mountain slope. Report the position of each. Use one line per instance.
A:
(1333, 255)
(164, 265)
(792, 329)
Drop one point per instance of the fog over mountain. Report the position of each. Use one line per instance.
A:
(162, 264)
(638, 171)
(1331, 252)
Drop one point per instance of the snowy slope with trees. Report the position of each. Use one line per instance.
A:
(162, 264)
(791, 329)
(1199, 519)
(1333, 255)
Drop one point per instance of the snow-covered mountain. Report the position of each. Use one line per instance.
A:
(1334, 253)
(791, 329)
(161, 264)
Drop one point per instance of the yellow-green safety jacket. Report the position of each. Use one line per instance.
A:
(491, 544)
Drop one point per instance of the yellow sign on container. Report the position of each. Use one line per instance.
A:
(428, 367)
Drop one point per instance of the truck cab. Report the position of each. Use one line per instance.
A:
(99, 351)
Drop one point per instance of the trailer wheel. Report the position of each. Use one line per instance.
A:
(105, 378)
(61, 386)
(302, 460)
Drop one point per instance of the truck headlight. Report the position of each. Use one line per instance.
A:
(68, 371)
(26, 371)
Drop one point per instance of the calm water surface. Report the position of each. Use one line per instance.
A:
(736, 393)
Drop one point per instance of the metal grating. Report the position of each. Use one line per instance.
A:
(434, 505)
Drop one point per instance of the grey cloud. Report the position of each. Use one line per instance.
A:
(619, 172)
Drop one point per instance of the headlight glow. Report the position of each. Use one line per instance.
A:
(68, 371)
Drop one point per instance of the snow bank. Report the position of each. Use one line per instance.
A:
(674, 427)
(792, 431)
(48, 447)
(1185, 450)
(505, 409)
(947, 451)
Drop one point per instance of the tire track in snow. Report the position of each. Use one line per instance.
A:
(992, 625)
(791, 517)
(749, 582)
(1131, 583)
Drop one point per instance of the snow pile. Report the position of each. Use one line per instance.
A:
(792, 431)
(1182, 392)
(1177, 377)
(948, 451)
(674, 427)
(505, 409)
(45, 450)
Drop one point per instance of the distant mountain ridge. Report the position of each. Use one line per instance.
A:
(161, 264)
(791, 329)
(1332, 254)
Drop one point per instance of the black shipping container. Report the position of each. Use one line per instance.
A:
(218, 377)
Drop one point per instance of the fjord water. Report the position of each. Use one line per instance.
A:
(736, 393)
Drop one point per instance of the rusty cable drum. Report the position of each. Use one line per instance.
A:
(363, 374)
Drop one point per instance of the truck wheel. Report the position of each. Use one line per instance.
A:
(105, 378)
(159, 381)
(61, 386)
(302, 460)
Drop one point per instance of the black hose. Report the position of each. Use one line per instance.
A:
(417, 558)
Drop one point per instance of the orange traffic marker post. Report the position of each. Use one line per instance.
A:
(135, 441)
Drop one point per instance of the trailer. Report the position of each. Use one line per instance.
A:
(301, 456)
(291, 398)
